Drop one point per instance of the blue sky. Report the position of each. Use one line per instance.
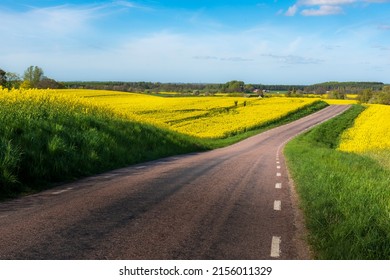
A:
(268, 42)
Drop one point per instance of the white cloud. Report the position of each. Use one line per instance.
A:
(323, 11)
(67, 44)
(325, 7)
(205, 57)
(382, 48)
(384, 27)
(53, 21)
(292, 10)
(125, 4)
(376, 1)
(61, 19)
(324, 2)
(294, 59)
(336, 2)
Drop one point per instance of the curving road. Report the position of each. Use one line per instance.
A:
(230, 203)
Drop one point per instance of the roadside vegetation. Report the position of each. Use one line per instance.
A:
(344, 195)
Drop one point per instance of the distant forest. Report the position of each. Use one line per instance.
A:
(368, 92)
(229, 87)
(34, 77)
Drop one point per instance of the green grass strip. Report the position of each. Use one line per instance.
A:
(345, 196)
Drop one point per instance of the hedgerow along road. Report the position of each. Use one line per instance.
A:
(231, 203)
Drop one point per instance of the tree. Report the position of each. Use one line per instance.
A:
(234, 86)
(33, 75)
(382, 97)
(3, 78)
(249, 88)
(365, 96)
(46, 82)
(13, 80)
(336, 94)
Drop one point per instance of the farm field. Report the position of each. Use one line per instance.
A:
(340, 101)
(370, 135)
(203, 117)
(54, 136)
(50, 138)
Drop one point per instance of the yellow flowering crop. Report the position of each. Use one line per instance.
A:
(36, 95)
(371, 131)
(340, 101)
(205, 117)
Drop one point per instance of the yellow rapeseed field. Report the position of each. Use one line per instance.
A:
(370, 135)
(340, 101)
(204, 117)
(370, 132)
(36, 96)
(43, 98)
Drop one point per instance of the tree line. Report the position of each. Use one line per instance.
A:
(33, 77)
(344, 87)
(376, 97)
(368, 92)
(184, 88)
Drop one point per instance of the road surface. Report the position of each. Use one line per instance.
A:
(230, 203)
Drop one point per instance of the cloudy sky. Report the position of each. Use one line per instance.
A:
(269, 42)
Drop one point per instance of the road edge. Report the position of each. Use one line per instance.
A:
(301, 233)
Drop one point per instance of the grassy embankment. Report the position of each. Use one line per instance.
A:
(345, 196)
(47, 139)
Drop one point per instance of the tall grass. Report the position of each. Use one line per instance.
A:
(345, 196)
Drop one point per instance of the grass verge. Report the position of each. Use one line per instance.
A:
(345, 196)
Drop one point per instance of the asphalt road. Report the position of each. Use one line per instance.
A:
(231, 203)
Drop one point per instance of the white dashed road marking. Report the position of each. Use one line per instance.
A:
(279, 174)
(278, 185)
(275, 246)
(277, 205)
